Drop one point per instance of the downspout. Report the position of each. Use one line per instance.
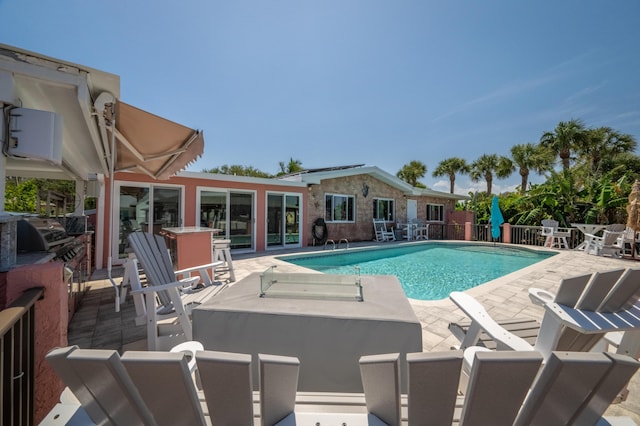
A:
(107, 100)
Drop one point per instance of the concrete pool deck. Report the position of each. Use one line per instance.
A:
(97, 325)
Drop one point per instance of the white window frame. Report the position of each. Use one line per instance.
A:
(376, 209)
(350, 198)
(228, 191)
(440, 207)
(300, 224)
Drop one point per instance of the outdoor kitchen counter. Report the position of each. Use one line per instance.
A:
(328, 336)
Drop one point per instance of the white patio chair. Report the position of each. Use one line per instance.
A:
(583, 311)
(381, 233)
(164, 382)
(504, 387)
(610, 243)
(554, 235)
(629, 243)
(166, 301)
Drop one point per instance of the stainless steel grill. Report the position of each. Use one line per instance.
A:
(41, 234)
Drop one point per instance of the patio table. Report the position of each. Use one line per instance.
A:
(328, 336)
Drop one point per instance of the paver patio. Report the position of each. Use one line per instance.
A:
(97, 325)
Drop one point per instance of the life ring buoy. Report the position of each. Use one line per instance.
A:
(319, 231)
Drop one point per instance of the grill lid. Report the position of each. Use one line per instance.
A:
(40, 234)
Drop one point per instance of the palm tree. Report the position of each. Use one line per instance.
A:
(564, 139)
(604, 142)
(529, 157)
(293, 166)
(411, 172)
(449, 167)
(487, 165)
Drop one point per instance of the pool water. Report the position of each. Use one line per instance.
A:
(428, 271)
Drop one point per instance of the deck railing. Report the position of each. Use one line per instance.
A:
(520, 234)
(17, 340)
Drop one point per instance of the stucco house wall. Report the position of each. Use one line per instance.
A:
(190, 182)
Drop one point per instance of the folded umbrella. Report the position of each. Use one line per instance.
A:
(496, 218)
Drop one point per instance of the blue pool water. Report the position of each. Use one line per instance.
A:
(428, 271)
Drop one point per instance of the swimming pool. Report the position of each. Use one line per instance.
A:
(427, 271)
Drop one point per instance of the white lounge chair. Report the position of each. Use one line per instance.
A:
(504, 388)
(155, 388)
(380, 228)
(168, 298)
(164, 382)
(610, 243)
(583, 311)
(102, 387)
(226, 382)
(629, 243)
(554, 235)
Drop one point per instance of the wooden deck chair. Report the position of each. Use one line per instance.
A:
(164, 382)
(584, 310)
(432, 383)
(381, 383)
(166, 297)
(575, 388)
(381, 233)
(101, 384)
(227, 384)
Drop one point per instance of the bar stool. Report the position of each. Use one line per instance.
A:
(222, 251)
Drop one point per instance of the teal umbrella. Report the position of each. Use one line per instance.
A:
(496, 218)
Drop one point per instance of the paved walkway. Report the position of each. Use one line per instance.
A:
(97, 325)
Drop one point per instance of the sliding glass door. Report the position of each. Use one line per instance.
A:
(142, 207)
(283, 220)
(231, 213)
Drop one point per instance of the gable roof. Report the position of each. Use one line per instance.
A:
(312, 177)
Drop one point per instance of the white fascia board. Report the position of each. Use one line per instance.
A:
(378, 173)
(7, 88)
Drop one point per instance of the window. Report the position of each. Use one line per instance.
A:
(339, 208)
(383, 209)
(435, 213)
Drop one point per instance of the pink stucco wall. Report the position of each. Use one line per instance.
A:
(190, 193)
(51, 319)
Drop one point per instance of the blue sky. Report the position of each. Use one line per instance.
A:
(346, 82)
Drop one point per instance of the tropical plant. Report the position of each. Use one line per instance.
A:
(488, 165)
(293, 166)
(606, 199)
(413, 171)
(564, 140)
(21, 195)
(529, 157)
(557, 198)
(237, 170)
(449, 167)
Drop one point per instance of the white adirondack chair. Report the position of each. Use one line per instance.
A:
(157, 388)
(504, 388)
(380, 228)
(166, 302)
(585, 309)
(610, 243)
(554, 235)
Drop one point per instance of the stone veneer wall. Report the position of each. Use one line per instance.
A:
(362, 229)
